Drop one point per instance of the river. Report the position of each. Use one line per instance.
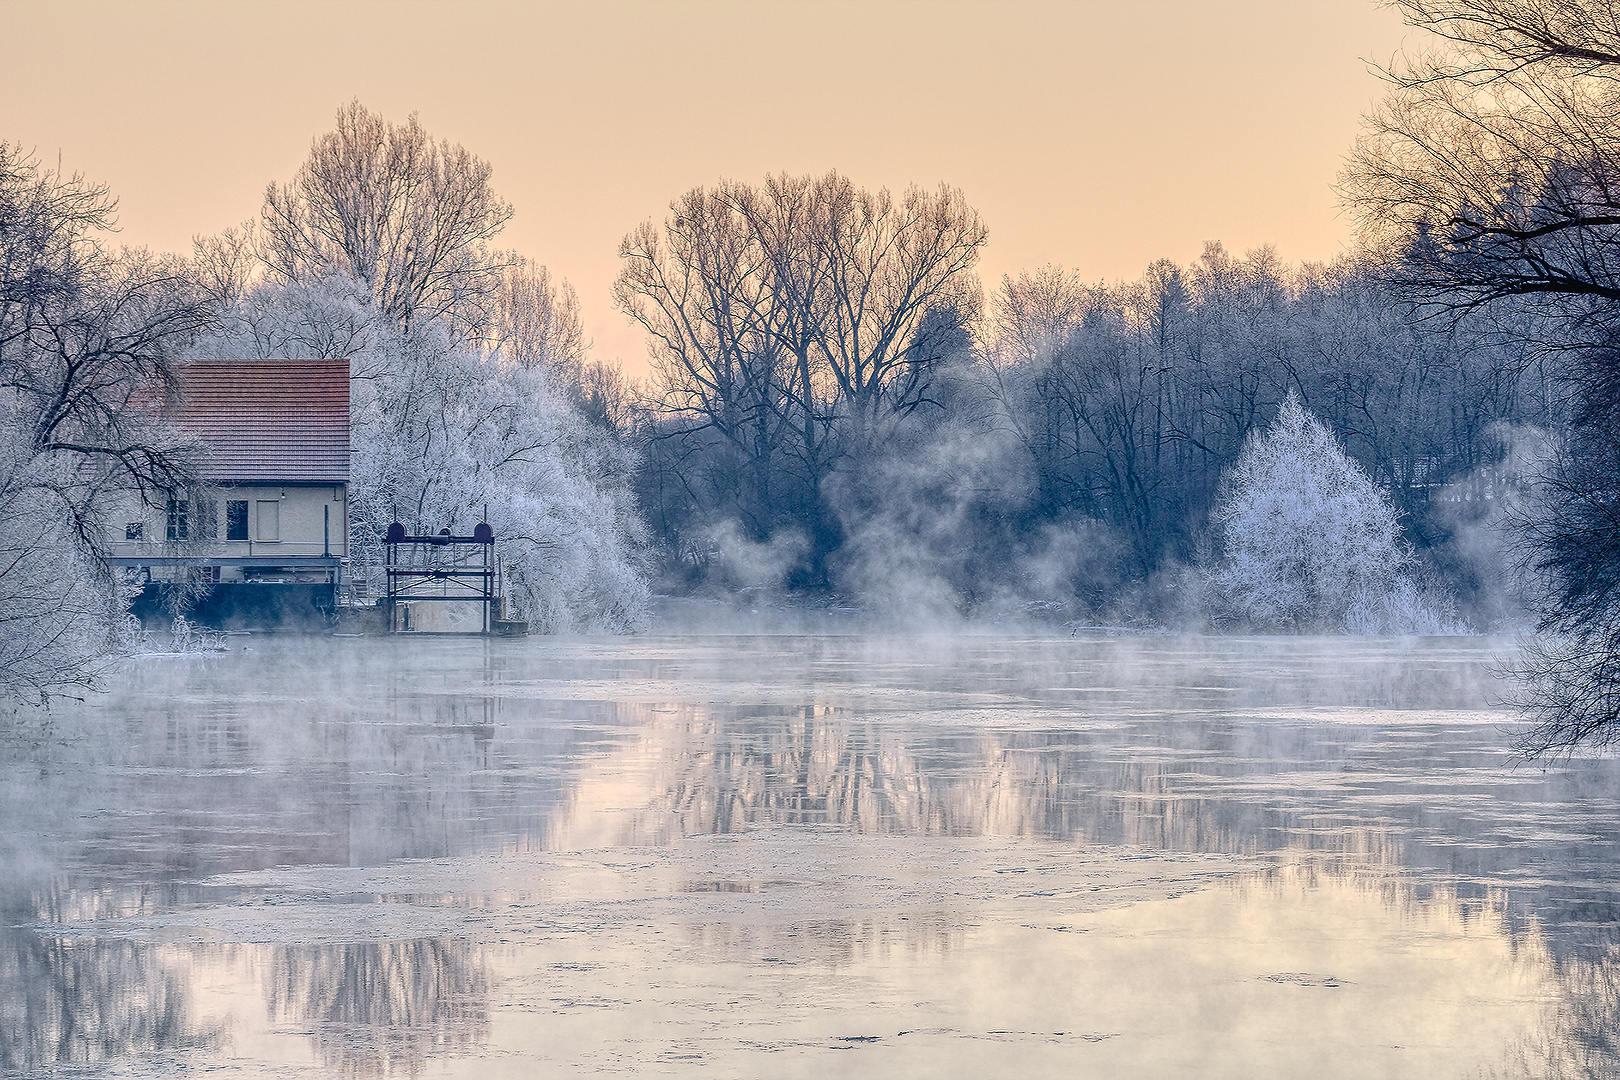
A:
(805, 855)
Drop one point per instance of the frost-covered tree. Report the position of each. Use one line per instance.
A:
(86, 336)
(1309, 542)
(444, 435)
(327, 318)
(59, 606)
(410, 217)
(535, 321)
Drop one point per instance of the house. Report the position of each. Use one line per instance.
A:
(268, 540)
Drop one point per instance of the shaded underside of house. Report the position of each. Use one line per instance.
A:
(292, 607)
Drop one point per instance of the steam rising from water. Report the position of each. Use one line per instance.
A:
(941, 854)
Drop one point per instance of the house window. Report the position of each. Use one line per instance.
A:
(236, 519)
(179, 520)
(135, 530)
(269, 520)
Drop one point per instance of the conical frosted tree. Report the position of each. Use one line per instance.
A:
(1308, 541)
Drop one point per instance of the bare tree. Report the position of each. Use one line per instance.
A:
(888, 264)
(1036, 312)
(1491, 178)
(703, 291)
(1091, 378)
(1570, 545)
(409, 217)
(1492, 169)
(797, 321)
(86, 338)
(535, 321)
(228, 264)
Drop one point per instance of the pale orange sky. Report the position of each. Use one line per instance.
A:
(1099, 135)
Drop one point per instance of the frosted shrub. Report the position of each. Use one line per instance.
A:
(56, 611)
(445, 435)
(1308, 541)
(189, 637)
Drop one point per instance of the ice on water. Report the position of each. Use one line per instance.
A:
(802, 856)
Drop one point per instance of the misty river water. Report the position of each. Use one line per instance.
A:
(835, 855)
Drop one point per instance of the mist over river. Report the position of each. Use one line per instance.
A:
(816, 855)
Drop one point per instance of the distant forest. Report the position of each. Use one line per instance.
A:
(837, 414)
(1060, 444)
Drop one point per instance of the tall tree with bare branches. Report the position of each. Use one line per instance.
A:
(410, 217)
(1490, 180)
(86, 340)
(797, 322)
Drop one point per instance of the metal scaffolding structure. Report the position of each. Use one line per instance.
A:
(442, 568)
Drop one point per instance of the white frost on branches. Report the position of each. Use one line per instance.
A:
(440, 433)
(60, 608)
(1309, 542)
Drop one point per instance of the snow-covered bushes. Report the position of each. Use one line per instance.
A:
(59, 607)
(1308, 542)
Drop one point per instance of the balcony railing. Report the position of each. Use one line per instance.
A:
(265, 550)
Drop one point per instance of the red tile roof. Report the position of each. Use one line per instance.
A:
(268, 421)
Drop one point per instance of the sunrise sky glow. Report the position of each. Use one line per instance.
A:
(1096, 135)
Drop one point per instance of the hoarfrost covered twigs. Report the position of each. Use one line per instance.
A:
(445, 433)
(59, 609)
(86, 336)
(1309, 542)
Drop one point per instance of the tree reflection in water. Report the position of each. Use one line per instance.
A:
(1579, 1037)
(1583, 1035)
(1177, 782)
(383, 1008)
(1374, 762)
(89, 1003)
(833, 943)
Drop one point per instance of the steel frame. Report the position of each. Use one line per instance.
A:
(440, 561)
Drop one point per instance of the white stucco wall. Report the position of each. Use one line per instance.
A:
(300, 513)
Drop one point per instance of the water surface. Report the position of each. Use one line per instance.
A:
(805, 856)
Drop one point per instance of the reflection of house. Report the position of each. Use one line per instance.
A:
(272, 530)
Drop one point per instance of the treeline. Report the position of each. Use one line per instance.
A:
(836, 407)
